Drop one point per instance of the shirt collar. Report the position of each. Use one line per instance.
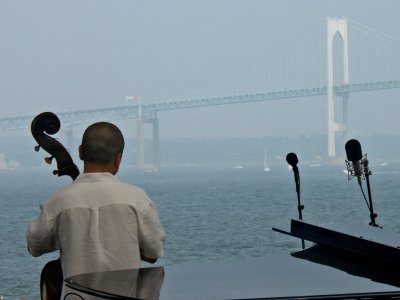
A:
(96, 177)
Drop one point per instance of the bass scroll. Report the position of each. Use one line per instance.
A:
(51, 277)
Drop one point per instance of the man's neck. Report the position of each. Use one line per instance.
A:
(91, 168)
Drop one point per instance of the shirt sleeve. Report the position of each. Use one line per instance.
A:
(40, 235)
(151, 233)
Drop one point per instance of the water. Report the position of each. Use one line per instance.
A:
(209, 214)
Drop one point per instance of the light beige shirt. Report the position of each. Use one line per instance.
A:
(99, 224)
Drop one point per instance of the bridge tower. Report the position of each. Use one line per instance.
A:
(142, 119)
(336, 26)
(141, 143)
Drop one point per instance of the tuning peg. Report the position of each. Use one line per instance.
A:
(48, 159)
(37, 148)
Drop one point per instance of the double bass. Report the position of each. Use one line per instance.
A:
(43, 125)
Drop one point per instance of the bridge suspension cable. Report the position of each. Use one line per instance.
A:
(386, 36)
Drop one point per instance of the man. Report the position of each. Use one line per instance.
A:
(98, 223)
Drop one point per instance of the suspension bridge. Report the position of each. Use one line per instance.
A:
(335, 58)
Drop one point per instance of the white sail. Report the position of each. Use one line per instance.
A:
(266, 167)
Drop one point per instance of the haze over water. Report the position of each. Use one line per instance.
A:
(209, 214)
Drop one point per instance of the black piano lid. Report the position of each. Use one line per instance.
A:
(347, 262)
(357, 249)
(270, 277)
(367, 241)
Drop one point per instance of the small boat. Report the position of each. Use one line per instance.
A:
(266, 167)
(314, 165)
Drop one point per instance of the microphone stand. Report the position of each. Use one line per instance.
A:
(300, 207)
(373, 215)
(354, 154)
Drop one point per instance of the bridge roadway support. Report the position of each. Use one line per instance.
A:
(336, 26)
(345, 100)
(141, 162)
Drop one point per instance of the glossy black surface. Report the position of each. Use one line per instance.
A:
(322, 271)
(142, 283)
(258, 278)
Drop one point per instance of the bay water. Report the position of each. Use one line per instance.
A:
(209, 213)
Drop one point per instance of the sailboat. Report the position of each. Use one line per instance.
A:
(266, 167)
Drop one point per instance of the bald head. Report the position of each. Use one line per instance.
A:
(101, 142)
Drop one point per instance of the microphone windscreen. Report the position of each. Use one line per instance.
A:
(291, 159)
(353, 150)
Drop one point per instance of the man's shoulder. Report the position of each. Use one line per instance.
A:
(76, 195)
(135, 192)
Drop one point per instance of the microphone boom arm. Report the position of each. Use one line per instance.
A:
(367, 173)
(300, 206)
(351, 173)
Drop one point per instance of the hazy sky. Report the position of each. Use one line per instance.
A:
(70, 55)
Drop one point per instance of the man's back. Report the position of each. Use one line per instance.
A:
(99, 224)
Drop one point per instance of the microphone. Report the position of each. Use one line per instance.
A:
(292, 160)
(354, 154)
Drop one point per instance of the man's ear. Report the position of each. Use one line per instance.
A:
(118, 159)
(80, 152)
(116, 163)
